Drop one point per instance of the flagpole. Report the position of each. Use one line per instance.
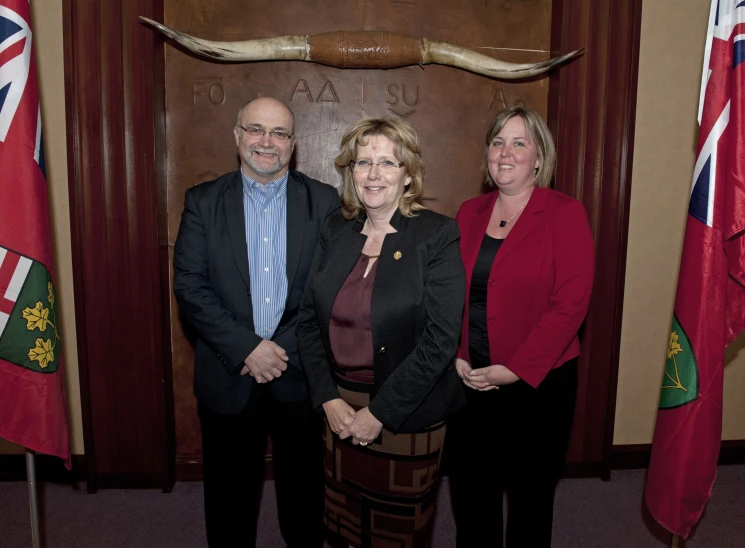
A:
(32, 499)
(676, 538)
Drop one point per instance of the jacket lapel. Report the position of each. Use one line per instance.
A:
(297, 210)
(347, 245)
(476, 232)
(233, 203)
(531, 218)
(388, 274)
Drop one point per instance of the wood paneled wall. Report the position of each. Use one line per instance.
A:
(119, 214)
(450, 109)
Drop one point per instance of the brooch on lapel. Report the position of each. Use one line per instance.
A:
(397, 255)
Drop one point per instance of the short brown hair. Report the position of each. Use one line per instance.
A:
(408, 151)
(539, 134)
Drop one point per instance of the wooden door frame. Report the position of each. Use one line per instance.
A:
(592, 113)
(592, 105)
(115, 109)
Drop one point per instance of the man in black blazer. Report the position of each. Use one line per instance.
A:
(241, 260)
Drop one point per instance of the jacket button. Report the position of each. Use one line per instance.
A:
(382, 350)
(491, 282)
(492, 318)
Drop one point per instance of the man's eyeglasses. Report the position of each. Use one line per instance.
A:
(386, 166)
(258, 133)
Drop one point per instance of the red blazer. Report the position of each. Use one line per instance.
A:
(540, 283)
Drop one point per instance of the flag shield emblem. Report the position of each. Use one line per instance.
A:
(680, 383)
(28, 314)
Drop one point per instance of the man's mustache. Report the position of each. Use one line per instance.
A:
(264, 150)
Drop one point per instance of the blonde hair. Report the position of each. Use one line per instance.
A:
(407, 151)
(539, 134)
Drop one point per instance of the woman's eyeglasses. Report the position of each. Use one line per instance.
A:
(386, 166)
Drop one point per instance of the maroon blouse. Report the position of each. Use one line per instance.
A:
(349, 330)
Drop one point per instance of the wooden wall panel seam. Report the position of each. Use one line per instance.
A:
(624, 198)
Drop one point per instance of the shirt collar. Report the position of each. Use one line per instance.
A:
(276, 188)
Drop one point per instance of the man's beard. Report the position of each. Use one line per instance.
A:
(264, 170)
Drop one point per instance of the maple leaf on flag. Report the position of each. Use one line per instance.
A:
(43, 352)
(36, 317)
(673, 347)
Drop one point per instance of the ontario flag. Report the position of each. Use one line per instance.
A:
(32, 400)
(710, 302)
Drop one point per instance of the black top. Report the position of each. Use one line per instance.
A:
(478, 339)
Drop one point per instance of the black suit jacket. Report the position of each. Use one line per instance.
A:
(416, 310)
(213, 289)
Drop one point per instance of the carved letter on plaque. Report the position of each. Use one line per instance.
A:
(393, 100)
(215, 93)
(328, 94)
(302, 87)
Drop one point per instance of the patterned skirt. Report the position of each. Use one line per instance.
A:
(382, 494)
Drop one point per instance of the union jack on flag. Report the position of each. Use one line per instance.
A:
(32, 400)
(710, 302)
(725, 48)
(15, 52)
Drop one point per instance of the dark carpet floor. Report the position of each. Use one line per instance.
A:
(590, 513)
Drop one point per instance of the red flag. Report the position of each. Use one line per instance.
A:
(710, 302)
(32, 400)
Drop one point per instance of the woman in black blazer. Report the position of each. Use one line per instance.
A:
(377, 332)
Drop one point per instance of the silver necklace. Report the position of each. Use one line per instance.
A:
(503, 223)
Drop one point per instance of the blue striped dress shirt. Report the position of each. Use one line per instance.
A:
(265, 213)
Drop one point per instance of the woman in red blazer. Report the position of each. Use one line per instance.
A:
(529, 256)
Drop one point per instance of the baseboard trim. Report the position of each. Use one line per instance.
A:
(190, 468)
(48, 469)
(130, 481)
(636, 456)
(583, 469)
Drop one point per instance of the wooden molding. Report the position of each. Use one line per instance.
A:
(623, 457)
(48, 469)
(51, 469)
(113, 92)
(630, 457)
(114, 89)
(592, 109)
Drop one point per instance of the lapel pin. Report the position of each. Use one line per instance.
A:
(397, 255)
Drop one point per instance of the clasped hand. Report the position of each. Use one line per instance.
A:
(484, 378)
(361, 426)
(267, 362)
